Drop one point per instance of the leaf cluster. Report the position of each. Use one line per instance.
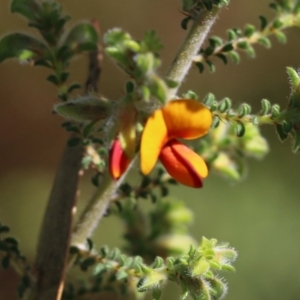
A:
(10, 255)
(57, 46)
(242, 40)
(138, 59)
(196, 272)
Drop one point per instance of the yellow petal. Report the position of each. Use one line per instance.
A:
(183, 164)
(127, 132)
(153, 139)
(186, 119)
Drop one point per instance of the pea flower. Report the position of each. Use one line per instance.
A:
(184, 119)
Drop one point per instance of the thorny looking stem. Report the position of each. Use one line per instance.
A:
(106, 193)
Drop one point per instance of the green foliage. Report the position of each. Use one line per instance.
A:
(21, 46)
(197, 272)
(139, 59)
(10, 255)
(56, 50)
(82, 37)
(87, 108)
(242, 40)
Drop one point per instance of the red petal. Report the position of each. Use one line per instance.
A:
(183, 164)
(118, 161)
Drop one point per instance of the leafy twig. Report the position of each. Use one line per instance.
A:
(108, 189)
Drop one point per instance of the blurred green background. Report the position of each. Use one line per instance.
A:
(259, 216)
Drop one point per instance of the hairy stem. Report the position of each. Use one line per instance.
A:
(98, 204)
(97, 207)
(190, 47)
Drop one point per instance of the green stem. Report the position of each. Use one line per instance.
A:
(97, 207)
(262, 120)
(287, 20)
(190, 47)
(99, 203)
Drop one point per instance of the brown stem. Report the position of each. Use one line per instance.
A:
(55, 236)
(54, 240)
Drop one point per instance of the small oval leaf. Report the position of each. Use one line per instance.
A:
(21, 46)
(82, 37)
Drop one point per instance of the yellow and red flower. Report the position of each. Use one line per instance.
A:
(185, 119)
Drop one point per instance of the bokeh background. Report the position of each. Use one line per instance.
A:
(258, 216)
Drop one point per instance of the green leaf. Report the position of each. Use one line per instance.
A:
(275, 110)
(263, 22)
(73, 87)
(43, 62)
(87, 108)
(244, 109)
(4, 229)
(187, 5)
(250, 51)
(158, 88)
(82, 37)
(243, 45)
(265, 107)
(209, 99)
(231, 35)
(171, 83)
(281, 133)
(296, 138)
(184, 23)
(211, 66)
(88, 262)
(281, 37)
(249, 30)
(209, 51)
(215, 122)
(26, 8)
(223, 58)
(265, 41)
(96, 179)
(215, 41)
(224, 105)
(240, 129)
(21, 46)
(129, 87)
(227, 48)
(90, 244)
(73, 142)
(151, 42)
(88, 129)
(200, 67)
(164, 191)
(121, 275)
(294, 79)
(156, 294)
(5, 262)
(277, 24)
(235, 57)
(53, 79)
(297, 8)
